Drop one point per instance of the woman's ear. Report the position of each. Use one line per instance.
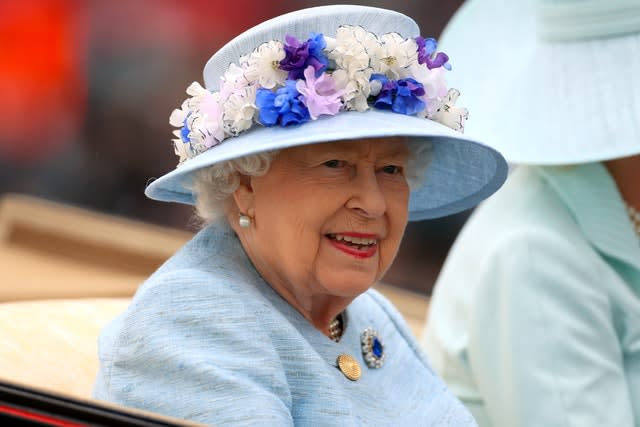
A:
(244, 196)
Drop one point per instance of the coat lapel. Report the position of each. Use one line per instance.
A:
(595, 202)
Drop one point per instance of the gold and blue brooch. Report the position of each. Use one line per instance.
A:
(372, 349)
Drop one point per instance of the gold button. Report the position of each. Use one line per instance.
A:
(349, 367)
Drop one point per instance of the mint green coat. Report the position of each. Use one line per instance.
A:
(535, 318)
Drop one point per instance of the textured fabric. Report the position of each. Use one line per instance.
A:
(206, 339)
(535, 318)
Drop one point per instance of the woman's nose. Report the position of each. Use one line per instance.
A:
(367, 197)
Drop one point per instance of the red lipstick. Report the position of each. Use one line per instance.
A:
(355, 250)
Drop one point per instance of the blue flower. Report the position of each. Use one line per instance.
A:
(299, 55)
(384, 99)
(400, 96)
(427, 54)
(184, 131)
(282, 107)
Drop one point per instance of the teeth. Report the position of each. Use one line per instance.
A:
(354, 240)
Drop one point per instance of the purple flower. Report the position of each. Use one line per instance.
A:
(298, 56)
(283, 107)
(400, 96)
(427, 54)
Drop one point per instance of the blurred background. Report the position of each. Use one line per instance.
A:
(87, 87)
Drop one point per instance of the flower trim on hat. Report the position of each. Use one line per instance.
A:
(282, 84)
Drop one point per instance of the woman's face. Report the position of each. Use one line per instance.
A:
(327, 218)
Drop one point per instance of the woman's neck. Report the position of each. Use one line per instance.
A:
(626, 173)
(319, 310)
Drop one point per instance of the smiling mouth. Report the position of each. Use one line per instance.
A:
(360, 247)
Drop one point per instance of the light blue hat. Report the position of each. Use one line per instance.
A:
(551, 82)
(249, 83)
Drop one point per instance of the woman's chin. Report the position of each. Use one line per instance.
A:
(348, 283)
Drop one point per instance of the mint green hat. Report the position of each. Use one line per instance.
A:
(550, 81)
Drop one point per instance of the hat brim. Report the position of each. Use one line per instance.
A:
(462, 171)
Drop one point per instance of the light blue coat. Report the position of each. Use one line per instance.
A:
(206, 339)
(535, 318)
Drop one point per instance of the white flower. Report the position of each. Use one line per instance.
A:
(198, 95)
(244, 60)
(263, 65)
(239, 111)
(349, 49)
(182, 150)
(233, 80)
(375, 87)
(197, 92)
(191, 123)
(450, 115)
(202, 116)
(367, 39)
(178, 115)
(435, 86)
(356, 88)
(394, 55)
(235, 75)
(237, 96)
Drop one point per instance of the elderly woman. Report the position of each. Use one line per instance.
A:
(305, 157)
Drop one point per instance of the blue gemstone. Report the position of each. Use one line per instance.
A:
(377, 348)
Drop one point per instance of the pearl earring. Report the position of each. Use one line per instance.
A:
(244, 221)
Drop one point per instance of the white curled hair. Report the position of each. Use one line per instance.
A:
(214, 185)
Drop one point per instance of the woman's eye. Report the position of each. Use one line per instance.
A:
(392, 169)
(334, 163)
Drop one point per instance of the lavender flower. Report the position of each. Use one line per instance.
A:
(319, 95)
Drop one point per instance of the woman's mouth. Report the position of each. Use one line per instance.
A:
(358, 245)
